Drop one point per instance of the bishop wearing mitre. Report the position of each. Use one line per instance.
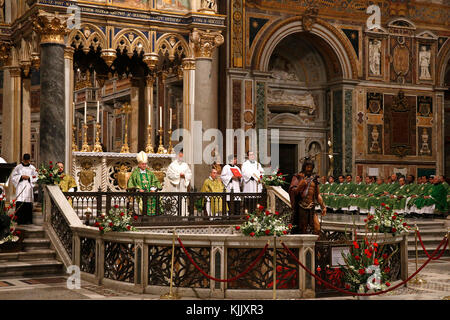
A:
(142, 179)
(251, 173)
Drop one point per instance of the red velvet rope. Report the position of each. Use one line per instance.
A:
(425, 250)
(223, 280)
(366, 294)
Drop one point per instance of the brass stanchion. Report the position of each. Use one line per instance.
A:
(417, 279)
(171, 295)
(170, 149)
(274, 267)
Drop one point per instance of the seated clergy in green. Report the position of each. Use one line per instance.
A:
(376, 194)
(144, 180)
(423, 189)
(446, 187)
(361, 201)
(343, 201)
(434, 199)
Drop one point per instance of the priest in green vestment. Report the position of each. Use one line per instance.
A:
(213, 184)
(143, 179)
(434, 200)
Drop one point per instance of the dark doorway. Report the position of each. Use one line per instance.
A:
(288, 161)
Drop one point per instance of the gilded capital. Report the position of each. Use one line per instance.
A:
(68, 53)
(51, 27)
(204, 42)
(4, 52)
(188, 64)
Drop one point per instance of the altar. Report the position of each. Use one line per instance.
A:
(110, 171)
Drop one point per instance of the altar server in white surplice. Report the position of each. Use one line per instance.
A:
(179, 177)
(231, 177)
(251, 173)
(24, 177)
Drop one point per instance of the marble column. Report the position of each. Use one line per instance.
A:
(69, 85)
(11, 146)
(188, 112)
(52, 143)
(206, 86)
(26, 114)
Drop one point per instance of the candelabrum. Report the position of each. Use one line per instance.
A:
(161, 148)
(85, 147)
(170, 150)
(97, 146)
(149, 147)
(74, 143)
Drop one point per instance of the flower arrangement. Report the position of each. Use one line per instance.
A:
(366, 267)
(49, 174)
(264, 223)
(115, 220)
(386, 221)
(275, 179)
(12, 235)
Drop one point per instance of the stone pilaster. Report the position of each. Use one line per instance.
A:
(188, 111)
(11, 119)
(206, 88)
(52, 29)
(26, 115)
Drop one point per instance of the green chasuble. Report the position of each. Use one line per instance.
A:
(423, 189)
(211, 185)
(145, 180)
(344, 200)
(377, 191)
(438, 196)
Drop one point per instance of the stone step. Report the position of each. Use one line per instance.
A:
(27, 268)
(43, 254)
(30, 244)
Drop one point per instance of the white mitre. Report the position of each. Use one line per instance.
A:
(142, 157)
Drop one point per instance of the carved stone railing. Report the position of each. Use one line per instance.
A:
(159, 208)
(140, 261)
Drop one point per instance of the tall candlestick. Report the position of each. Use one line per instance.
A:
(73, 111)
(85, 111)
(98, 111)
(160, 117)
(170, 119)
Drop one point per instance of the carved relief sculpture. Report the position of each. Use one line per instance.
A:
(425, 148)
(86, 176)
(283, 70)
(208, 5)
(2, 8)
(375, 57)
(304, 101)
(424, 63)
(375, 146)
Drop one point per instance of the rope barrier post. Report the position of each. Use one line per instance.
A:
(417, 280)
(171, 295)
(274, 267)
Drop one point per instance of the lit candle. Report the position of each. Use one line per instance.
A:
(98, 111)
(85, 111)
(160, 116)
(170, 119)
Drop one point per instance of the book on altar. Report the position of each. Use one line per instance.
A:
(236, 172)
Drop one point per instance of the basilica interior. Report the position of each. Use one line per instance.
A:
(84, 79)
